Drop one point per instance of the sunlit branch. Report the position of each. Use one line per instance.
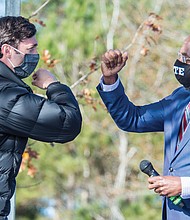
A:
(137, 33)
(84, 77)
(113, 25)
(40, 8)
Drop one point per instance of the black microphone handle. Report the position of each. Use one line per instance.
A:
(147, 168)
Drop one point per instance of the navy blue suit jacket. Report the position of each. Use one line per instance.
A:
(162, 116)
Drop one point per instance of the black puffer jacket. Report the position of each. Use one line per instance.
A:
(25, 115)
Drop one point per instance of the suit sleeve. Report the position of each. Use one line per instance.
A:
(55, 119)
(132, 118)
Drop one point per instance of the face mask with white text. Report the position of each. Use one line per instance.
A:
(182, 73)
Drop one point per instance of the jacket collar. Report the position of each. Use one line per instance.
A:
(7, 73)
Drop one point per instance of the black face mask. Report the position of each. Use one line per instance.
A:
(182, 73)
(28, 66)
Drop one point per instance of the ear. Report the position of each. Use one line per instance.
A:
(6, 50)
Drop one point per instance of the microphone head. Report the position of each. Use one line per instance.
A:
(147, 168)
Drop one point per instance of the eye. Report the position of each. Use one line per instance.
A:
(32, 49)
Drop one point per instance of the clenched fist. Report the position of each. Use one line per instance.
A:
(42, 78)
(112, 62)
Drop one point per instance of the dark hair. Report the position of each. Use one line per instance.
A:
(13, 30)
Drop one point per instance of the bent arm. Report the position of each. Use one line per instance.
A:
(56, 119)
(128, 117)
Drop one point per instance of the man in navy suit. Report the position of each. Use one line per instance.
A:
(162, 116)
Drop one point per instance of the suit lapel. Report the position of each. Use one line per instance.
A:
(183, 142)
(176, 122)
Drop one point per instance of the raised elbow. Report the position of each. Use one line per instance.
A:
(76, 128)
(72, 128)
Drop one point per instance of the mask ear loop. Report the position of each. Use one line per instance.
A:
(17, 50)
(11, 62)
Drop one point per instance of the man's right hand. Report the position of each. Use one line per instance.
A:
(112, 62)
(42, 78)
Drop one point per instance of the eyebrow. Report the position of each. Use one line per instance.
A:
(32, 46)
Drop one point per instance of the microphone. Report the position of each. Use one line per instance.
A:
(147, 168)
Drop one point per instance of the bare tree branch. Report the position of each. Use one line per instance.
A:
(104, 15)
(83, 77)
(110, 44)
(40, 8)
(113, 25)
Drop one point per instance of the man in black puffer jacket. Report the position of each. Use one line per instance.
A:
(23, 114)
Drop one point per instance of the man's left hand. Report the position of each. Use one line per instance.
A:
(165, 185)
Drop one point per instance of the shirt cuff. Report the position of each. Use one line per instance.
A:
(185, 183)
(109, 88)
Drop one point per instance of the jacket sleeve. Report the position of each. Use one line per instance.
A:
(55, 119)
(132, 118)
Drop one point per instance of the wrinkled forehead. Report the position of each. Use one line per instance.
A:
(186, 46)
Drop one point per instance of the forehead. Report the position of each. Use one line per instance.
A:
(28, 42)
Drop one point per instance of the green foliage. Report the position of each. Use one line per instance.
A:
(137, 209)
